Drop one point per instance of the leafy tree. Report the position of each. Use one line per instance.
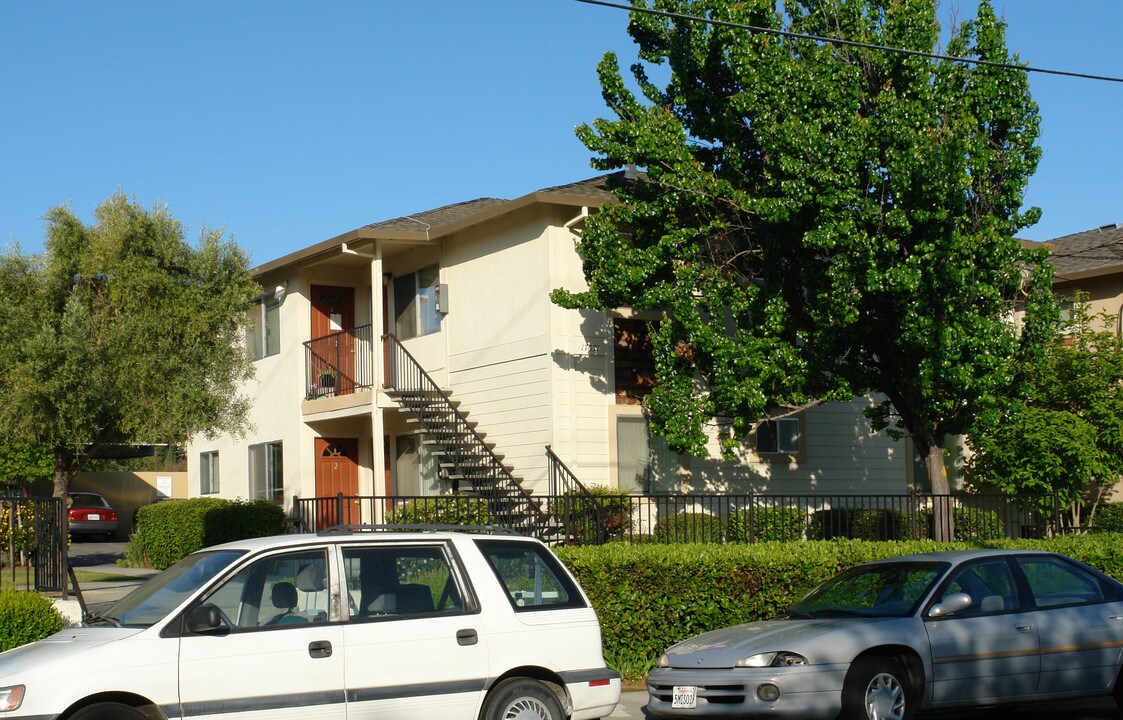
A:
(120, 332)
(23, 463)
(817, 221)
(1064, 434)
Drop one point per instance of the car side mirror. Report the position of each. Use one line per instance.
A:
(203, 619)
(950, 605)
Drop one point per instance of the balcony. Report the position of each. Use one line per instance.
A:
(339, 364)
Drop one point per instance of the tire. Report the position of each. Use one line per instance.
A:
(108, 711)
(522, 699)
(1117, 691)
(877, 688)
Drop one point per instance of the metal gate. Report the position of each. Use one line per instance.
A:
(34, 538)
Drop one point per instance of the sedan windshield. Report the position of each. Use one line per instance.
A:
(154, 599)
(875, 590)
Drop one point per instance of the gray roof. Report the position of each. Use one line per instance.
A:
(434, 220)
(429, 225)
(1088, 253)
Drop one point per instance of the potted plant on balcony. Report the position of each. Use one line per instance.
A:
(326, 383)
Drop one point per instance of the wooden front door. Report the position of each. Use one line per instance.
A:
(333, 352)
(337, 471)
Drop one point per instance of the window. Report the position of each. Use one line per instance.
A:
(633, 360)
(263, 332)
(277, 591)
(208, 473)
(388, 582)
(990, 585)
(532, 577)
(1055, 582)
(778, 436)
(644, 463)
(415, 303)
(267, 472)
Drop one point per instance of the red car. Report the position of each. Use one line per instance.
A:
(91, 514)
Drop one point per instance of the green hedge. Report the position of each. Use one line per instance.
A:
(649, 597)
(766, 524)
(440, 511)
(168, 531)
(690, 527)
(1109, 516)
(26, 617)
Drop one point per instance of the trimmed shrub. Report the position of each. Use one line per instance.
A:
(169, 531)
(580, 514)
(1109, 516)
(767, 524)
(829, 524)
(690, 527)
(26, 617)
(442, 511)
(974, 524)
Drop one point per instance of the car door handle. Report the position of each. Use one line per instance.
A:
(1024, 627)
(467, 637)
(319, 649)
(1115, 618)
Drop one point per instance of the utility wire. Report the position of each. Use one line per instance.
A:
(850, 43)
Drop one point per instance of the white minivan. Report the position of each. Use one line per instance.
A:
(389, 624)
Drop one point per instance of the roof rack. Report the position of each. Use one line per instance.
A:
(417, 527)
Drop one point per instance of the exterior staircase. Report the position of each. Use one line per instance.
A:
(466, 460)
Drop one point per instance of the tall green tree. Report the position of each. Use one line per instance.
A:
(1062, 436)
(120, 332)
(817, 221)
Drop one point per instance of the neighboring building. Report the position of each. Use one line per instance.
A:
(465, 290)
(1092, 262)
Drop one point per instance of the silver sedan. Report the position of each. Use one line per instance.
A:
(921, 632)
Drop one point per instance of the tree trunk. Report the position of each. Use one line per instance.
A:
(943, 519)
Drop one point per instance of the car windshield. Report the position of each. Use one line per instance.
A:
(153, 600)
(875, 590)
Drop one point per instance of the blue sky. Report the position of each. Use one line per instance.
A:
(289, 122)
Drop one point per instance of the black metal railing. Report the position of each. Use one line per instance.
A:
(466, 461)
(34, 539)
(719, 518)
(585, 517)
(340, 363)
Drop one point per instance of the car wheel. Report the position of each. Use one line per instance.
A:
(876, 688)
(522, 699)
(108, 711)
(1117, 691)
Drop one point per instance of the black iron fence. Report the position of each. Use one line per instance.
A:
(718, 518)
(34, 542)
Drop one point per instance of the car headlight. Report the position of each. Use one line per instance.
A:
(11, 698)
(664, 661)
(772, 659)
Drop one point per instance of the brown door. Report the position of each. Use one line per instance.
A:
(333, 346)
(337, 471)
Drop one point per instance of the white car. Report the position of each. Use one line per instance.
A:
(404, 625)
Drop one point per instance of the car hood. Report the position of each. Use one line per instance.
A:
(65, 647)
(723, 648)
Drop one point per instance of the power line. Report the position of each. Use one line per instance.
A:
(849, 43)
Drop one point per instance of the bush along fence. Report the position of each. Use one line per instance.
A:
(600, 516)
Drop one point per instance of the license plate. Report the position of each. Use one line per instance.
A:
(93, 516)
(684, 697)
